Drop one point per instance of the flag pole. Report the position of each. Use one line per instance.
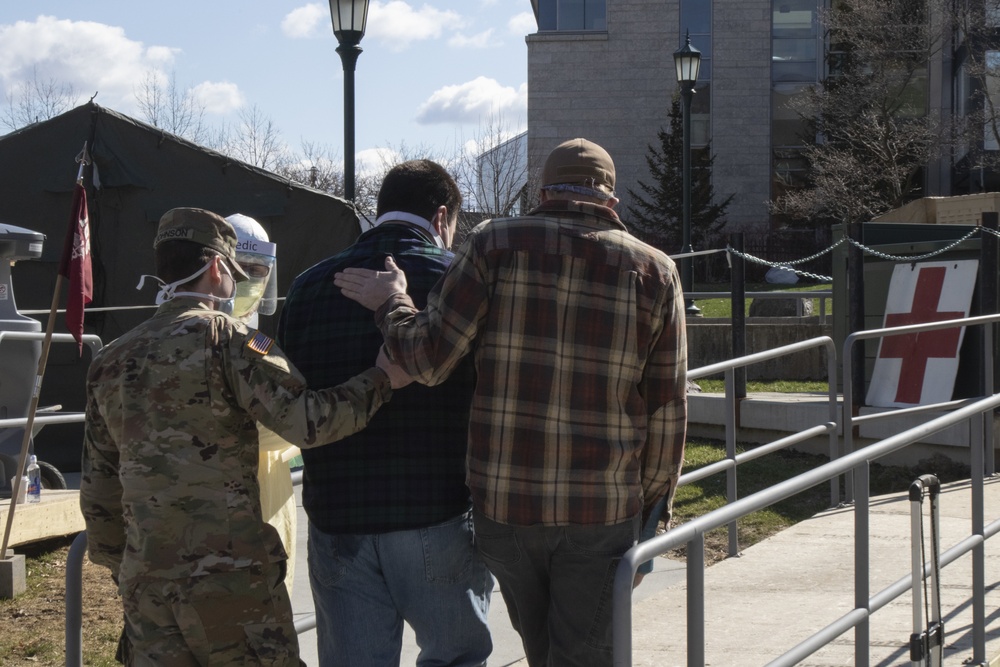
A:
(83, 159)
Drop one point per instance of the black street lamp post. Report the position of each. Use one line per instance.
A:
(687, 61)
(349, 17)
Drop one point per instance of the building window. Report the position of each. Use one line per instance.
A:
(571, 15)
(793, 18)
(788, 128)
(795, 68)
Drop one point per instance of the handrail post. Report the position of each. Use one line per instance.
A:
(738, 310)
(621, 613)
(847, 412)
(74, 601)
(976, 446)
(834, 416)
(731, 490)
(855, 356)
(696, 601)
(856, 310)
(862, 631)
(989, 303)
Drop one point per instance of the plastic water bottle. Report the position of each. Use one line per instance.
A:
(34, 480)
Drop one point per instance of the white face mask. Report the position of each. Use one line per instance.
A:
(167, 290)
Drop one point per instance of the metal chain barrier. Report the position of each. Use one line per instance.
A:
(789, 265)
(913, 258)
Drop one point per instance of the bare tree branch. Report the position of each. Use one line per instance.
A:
(255, 140)
(492, 168)
(35, 100)
(170, 108)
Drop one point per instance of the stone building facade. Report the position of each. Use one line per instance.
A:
(615, 86)
(603, 69)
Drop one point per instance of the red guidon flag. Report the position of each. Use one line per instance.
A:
(920, 368)
(75, 265)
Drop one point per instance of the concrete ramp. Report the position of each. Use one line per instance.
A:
(782, 590)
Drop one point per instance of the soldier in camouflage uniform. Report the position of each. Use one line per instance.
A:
(169, 489)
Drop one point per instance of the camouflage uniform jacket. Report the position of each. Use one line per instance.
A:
(169, 486)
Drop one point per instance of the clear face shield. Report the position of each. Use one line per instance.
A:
(260, 293)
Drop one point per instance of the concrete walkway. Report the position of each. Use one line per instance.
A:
(778, 592)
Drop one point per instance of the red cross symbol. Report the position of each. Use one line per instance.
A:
(916, 349)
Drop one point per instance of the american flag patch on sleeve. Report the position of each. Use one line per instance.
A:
(259, 343)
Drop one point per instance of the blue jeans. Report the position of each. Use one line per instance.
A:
(557, 582)
(365, 586)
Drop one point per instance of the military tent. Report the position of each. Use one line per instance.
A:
(138, 173)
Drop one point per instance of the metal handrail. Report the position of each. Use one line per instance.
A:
(94, 342)
(982, 463)
(692, 534)
(74, 600)
(829, 427)
(850, 420)
(41, 418)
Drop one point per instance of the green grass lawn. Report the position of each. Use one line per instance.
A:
(723, 307)
(718, 386)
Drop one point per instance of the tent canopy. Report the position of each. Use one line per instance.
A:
(139, 172)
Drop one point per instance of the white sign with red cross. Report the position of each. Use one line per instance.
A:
(920, 368)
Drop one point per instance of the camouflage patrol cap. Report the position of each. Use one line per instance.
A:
(204, 228)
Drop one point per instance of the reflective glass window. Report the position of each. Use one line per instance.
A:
(787, 126)
(794, 18)
(572, 15)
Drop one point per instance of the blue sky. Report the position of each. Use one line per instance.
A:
(430, 73)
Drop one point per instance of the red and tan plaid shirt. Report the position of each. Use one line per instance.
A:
(577, 330)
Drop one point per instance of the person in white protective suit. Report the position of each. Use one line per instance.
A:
(259, 296)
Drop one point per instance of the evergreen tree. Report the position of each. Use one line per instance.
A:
(656, 213)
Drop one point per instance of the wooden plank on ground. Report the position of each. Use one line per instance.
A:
(57, 514)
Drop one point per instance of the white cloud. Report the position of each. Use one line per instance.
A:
(522, 24)
(481, 41)
(90, 57)
(397, 24)
(218, 98)
(373, 160)
(306, 21)
(162, 54)
(470, 102)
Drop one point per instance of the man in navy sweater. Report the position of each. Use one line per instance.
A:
(390, 525)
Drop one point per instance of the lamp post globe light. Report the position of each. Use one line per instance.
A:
(687, 61)
(349, 18)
